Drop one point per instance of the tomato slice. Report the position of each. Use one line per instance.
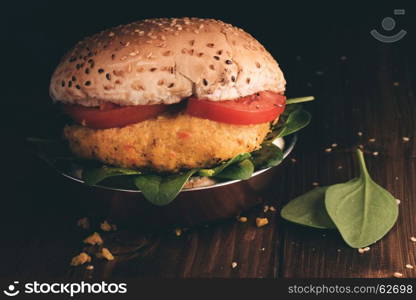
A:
(258, 108)
(111, 115)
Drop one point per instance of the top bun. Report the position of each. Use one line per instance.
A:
(164, 61)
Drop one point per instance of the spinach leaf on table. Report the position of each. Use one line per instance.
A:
(362, 210)
(309, 210)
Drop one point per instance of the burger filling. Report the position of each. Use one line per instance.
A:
(258, 108)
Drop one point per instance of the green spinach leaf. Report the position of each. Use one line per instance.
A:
(299, 100)
(242, 170)
(92, 176)
(269, 155)
(362, 210)
(215, 171)
(309, 210)
(160, 190)
(296, 120)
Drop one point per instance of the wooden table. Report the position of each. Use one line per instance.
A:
(361, 85)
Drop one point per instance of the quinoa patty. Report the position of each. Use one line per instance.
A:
(167, 143)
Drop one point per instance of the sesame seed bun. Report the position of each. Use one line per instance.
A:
(164, 61)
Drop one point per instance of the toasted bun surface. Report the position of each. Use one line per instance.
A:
(164, 61)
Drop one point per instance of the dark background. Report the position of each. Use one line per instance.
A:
(324, 50)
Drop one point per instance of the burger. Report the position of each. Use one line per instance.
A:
(166, 96)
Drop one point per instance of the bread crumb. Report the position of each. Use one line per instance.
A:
(105, 253)
(89, 267)
(413, 239)
(233, 265)
(80, 259)
(243, 219)
(105, 226)
(397, 274)
(260, 222)
(178, 231)
(405, 139)
(409, 266)
(93, 239)
(84, 223)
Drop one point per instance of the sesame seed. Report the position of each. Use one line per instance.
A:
(243, 219)
(409, 266)
(362, 250)
(111, 34)
(333, 145)
(62, 83)
(339, 167)
(396, 83)
(258, 64)
(69, 83)
(87, 83)
(413, 239)
(217, 57)
(100, 70)
(171, 85)
(233, 265)
(375, 153)
(272, 208)
(87, 71)
(89, 267)
(397, 274)
(266, 208)
(359, 133)
(73, 78)
(153, 69)
(78, 86)
(315, 183)
(398, 201)
(228, 62)
(343, 57)
(372, 140)
(205, 82)
(405, 139)
(233, 78)
(178, 232)
(293, 160)
(108, 76)
(328, 150)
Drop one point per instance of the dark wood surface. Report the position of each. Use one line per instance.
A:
(360, 85)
